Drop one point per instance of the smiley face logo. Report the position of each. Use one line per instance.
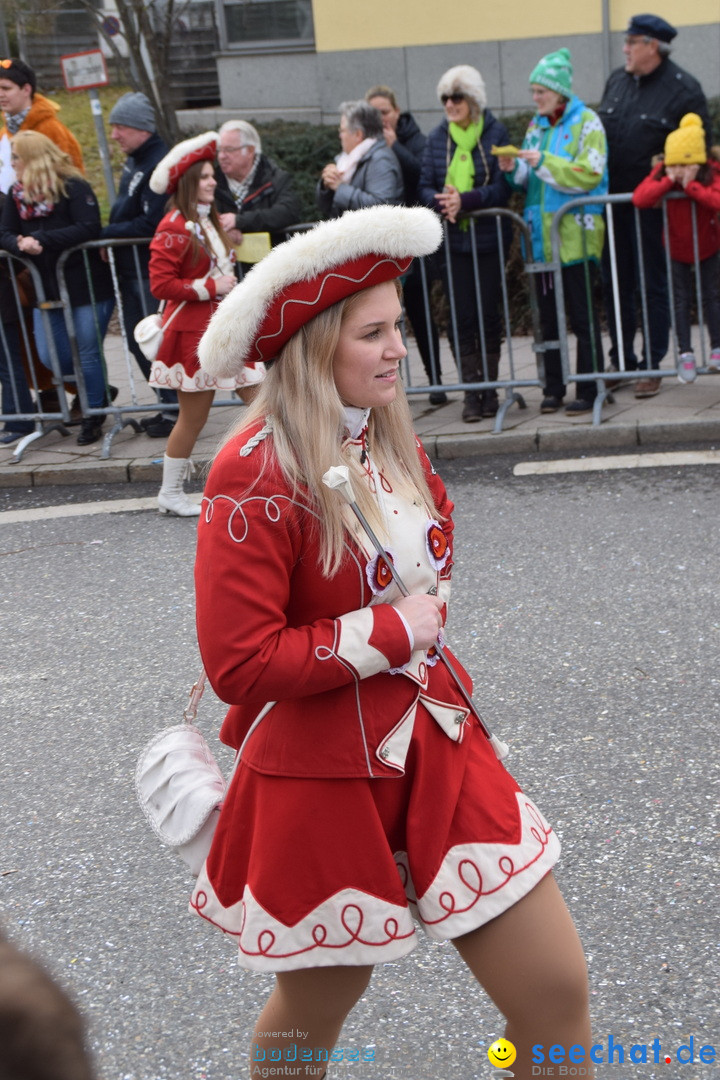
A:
(502, 1053)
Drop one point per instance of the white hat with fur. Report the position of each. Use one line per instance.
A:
(309, 273)
(177, 161)
(466, 80)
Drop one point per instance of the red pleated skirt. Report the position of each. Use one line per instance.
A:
(318, 872)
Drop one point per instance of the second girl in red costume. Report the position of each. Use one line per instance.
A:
(191, 269)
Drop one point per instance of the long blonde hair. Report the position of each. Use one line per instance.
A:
(308, 422)
(47, 167)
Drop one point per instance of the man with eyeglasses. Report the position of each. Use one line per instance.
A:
(642, 103)
(253, 194)
(24, 109)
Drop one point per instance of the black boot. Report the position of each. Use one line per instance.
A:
(90, 430)
(472, 408)
(490, 402)
(471, 372)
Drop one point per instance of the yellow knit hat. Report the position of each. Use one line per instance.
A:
(686, 146)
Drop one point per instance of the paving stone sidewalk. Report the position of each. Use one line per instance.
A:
(679, 414)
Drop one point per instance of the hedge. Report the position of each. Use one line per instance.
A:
(303, 149)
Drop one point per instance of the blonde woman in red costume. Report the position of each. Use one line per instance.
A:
(367, 800)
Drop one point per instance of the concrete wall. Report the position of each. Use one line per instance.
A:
(311, 85)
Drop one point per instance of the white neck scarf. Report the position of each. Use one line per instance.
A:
(348, 163)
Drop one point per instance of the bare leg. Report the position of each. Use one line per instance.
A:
(531, 963)
(315, 1002)
(192, 417)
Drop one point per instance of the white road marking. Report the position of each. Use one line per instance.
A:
(622, 461)
(66, 510)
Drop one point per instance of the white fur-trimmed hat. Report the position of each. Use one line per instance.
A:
(466, 80)
(167, 172)
(309, 273)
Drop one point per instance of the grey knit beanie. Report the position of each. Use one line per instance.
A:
(135, 111)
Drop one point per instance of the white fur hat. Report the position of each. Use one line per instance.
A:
(466, 80)
(309, 273)
(167, 172)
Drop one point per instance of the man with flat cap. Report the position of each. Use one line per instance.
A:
(642, 103)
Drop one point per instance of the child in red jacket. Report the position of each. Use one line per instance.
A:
(686, 168)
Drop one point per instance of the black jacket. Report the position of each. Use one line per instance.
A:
(73, 220)
(137, 210)
(638, 113)
(8, 308)
(271, 206)
(408, 149)
(491, 188)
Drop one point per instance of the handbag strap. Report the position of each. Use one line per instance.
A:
(166, 324)
(191, 709)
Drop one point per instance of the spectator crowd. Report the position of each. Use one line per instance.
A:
(650, 136)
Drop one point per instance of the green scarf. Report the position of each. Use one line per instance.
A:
(461, 170)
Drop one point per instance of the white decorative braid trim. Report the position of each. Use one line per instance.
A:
(198, 285)
(262, 434)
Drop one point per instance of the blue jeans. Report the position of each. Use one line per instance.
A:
(16, 397)
(89, 341)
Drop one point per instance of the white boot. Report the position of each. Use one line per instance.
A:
(171, 497)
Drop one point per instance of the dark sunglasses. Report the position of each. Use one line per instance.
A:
(455, 98)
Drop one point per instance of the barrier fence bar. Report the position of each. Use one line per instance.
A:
(43, 403)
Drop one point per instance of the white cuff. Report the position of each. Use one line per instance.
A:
(406, 624)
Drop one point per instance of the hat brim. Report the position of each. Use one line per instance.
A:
(167, 172)
(309, 273)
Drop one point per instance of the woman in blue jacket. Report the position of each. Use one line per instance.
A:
(459, 174)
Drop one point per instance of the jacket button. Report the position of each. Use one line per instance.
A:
(385, 752)
(459, 718)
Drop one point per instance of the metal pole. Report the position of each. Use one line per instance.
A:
(96, 109)
(338, 479)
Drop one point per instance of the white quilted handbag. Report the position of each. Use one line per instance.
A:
(180, 787)
(150, 331)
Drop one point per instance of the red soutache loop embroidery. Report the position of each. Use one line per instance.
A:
(265, 942)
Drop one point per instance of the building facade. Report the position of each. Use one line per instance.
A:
(298, 59)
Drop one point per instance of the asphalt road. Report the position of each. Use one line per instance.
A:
(586, 609)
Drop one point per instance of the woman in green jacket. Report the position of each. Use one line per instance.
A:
(564, 155)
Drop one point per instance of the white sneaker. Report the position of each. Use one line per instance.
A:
(687, 370)
(714, 361)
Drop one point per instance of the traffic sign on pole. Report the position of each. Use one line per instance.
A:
(87, 71)
(84, 70)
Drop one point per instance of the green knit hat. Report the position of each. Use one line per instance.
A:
(555, 71)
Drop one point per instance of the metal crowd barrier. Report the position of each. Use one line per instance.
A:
(624, 374)
(21, 371)
(602, 375)
(124, 413)
(513, 383)
(53, 413)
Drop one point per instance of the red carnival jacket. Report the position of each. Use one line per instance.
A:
(318, 671)
(178, 274)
